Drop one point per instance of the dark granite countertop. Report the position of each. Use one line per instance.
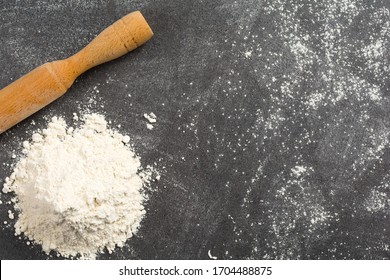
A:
(272, 134)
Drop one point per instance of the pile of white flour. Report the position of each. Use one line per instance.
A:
(78, 190)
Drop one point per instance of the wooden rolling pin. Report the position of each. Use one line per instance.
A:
(48, 82)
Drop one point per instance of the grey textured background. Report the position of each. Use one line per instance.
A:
(273, 121)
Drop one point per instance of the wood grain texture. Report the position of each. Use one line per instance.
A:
(48, 82)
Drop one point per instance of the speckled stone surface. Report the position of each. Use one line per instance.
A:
(272, 133)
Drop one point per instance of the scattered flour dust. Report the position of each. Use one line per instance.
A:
(78, 190)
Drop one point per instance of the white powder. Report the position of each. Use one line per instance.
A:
(211, 256)
(78, 190)
(10, 215)
(151, 118)
(377, 201)
(298, 171)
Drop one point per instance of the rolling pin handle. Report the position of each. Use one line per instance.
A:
(121, 37)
